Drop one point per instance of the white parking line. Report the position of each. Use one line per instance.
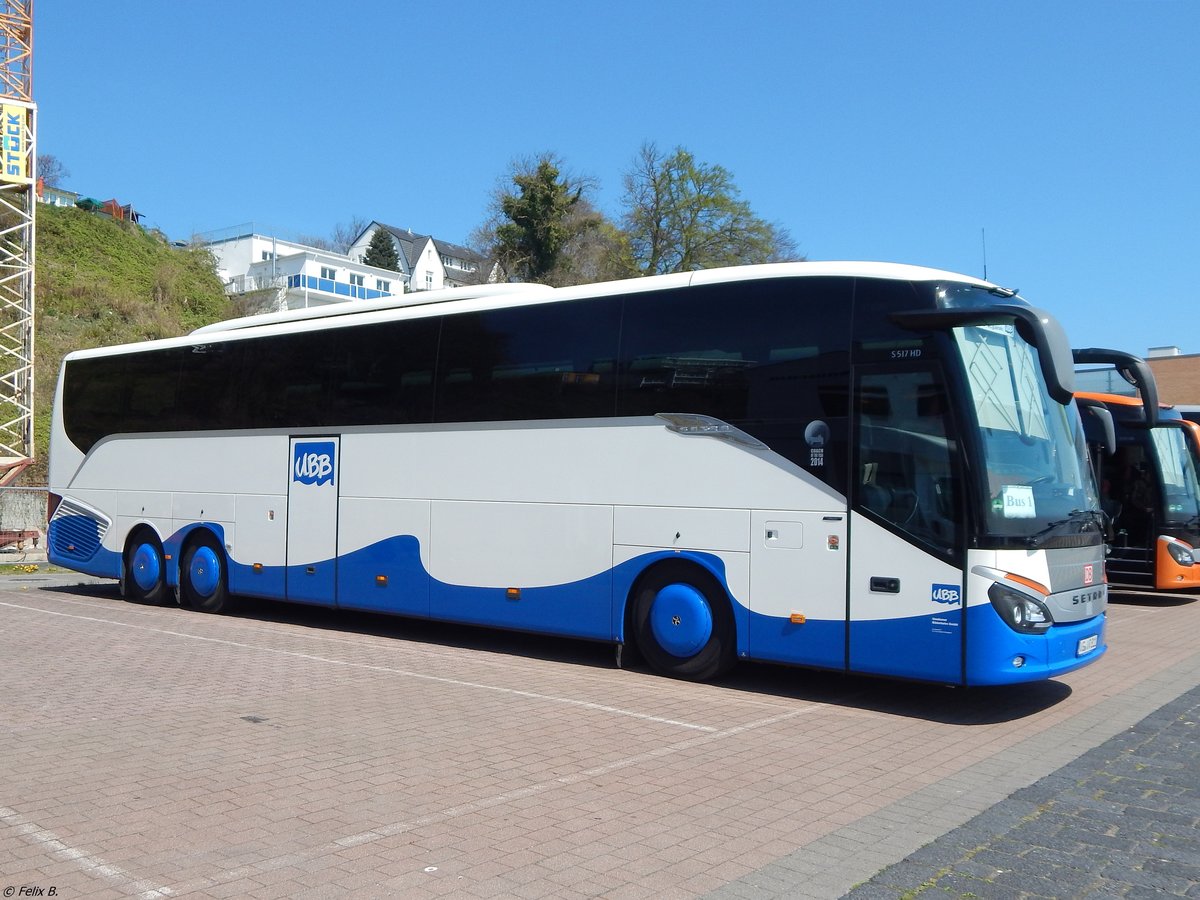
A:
(386, 831)
(87, 862)
(382, 832)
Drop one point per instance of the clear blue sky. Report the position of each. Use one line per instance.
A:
(898, 130)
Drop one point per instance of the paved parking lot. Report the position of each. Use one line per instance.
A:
(292, 752)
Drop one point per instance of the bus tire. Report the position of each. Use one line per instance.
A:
(682, 622)
(144, 576)
(203, 581)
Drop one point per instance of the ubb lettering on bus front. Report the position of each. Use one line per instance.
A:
(313, 463)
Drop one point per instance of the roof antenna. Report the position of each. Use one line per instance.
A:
(983, 235)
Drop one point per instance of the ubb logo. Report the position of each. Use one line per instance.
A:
(949, 594)
(313, 463)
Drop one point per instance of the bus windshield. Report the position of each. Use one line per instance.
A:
(1035, 473)
(1181, 496)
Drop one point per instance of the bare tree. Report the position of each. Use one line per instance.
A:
(51, 170)
(340, 239)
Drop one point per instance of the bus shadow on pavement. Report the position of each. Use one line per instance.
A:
(59, 584)
(947, 704)
(477, 638)
(907, 699)
(917, 700)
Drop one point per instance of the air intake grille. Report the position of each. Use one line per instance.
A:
(75, 532)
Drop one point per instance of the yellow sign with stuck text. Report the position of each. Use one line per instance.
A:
(16, 144)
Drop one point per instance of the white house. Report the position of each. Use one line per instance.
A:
(55, 196)
(430, 264)
(296, 276)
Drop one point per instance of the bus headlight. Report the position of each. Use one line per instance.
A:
(1020, 612)
(1181, 553)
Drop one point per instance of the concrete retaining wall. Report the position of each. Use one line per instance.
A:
(23, 509)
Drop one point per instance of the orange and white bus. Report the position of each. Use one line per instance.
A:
(1148, 480)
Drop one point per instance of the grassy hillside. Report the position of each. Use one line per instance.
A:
(101, 282)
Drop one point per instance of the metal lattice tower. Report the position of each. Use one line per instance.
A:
(18, 200)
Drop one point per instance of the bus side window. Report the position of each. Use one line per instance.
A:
(384, 373)
(906, 461)
(775, 369)
(545, 361)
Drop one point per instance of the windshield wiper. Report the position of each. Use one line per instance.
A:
(1094, 516)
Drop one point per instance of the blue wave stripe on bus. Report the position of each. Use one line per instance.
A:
(389, 577)
(588, 608)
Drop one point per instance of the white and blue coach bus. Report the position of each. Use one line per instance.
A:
(860, 467)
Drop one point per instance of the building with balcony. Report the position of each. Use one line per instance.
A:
(429, 264)
(274, 274)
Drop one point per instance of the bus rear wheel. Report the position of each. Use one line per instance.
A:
(203, 584)
(145, 570)
(682, 622)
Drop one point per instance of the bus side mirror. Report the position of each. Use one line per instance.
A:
(1098, 425)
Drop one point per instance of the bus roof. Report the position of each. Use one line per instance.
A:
(397, 301)
(498, 296)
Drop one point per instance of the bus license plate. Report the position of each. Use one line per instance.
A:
(1087, 645)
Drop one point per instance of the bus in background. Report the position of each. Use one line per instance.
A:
(1148, 481)
(1191, 430)
(858, 467)
(1191, 418)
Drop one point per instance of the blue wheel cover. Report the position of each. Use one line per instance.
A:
(147, 567)
(204, 571)
(681, 620)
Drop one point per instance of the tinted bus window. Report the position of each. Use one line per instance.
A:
(548, 361)
(287, 381)
(120, 395)
(767, 356)
(210, 380)
(876, 336)
(383, 374)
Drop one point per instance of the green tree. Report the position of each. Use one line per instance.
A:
(381, 251)
(598, 252)
(683, 215)
(534, 225)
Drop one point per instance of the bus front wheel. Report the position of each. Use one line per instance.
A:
(202, 576)
(144, 576)
(682, 622)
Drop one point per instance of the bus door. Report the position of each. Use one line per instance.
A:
(798, 571)
(907, 588)
(313, 520)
